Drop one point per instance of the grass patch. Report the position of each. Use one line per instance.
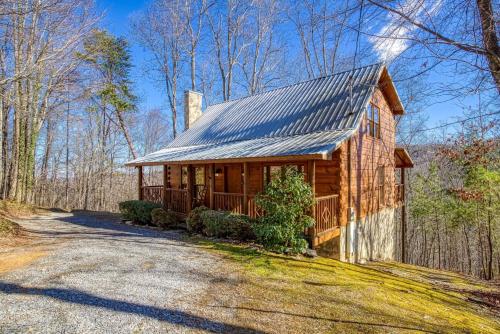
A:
(19, 210)
(8, 228)
(297, 294)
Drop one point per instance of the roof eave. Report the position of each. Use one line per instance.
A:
(391, 92)
(315, 156)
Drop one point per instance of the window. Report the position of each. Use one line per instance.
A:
(373, 121)
(184, 177)
(269, 171)
(200, 189)
(199, 175)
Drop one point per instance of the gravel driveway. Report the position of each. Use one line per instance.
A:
(103, 276)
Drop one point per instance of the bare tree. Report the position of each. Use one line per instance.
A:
(43, 35)
(5, 107)
(322, 28)
(193, 13)
(151, 130)
(161, 30)
(260, 60)
(227, 24)
(462, 32)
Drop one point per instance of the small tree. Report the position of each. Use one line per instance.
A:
(286, 201)
(109, 57)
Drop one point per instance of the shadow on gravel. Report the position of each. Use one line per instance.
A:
(99, 225)
(162, 314)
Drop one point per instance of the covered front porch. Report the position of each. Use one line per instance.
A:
(233, 187)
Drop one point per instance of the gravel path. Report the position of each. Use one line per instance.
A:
(101, 276)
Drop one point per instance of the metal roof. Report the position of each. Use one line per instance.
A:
(305, 118)
(316, 144)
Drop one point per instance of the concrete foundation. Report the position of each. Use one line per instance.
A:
(351, 241)
(342, 244)
(372, 238)
(376, 236)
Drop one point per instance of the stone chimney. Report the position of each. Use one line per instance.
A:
(192, 107)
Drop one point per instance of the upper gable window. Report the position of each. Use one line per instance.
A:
(373, 121)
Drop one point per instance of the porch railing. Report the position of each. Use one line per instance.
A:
(253, 210)
(326, 207)
(153, 194)
(399, 193)
(228, 202)
(326, 213)
(177, 200)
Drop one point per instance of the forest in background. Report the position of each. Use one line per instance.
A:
(70, 114)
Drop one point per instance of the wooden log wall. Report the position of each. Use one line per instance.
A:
(368, 156)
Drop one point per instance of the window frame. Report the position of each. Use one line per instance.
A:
(372, 122)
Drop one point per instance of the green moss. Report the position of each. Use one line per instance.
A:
(8, 228)
(379, 297)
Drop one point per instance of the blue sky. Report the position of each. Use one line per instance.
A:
(117, 18)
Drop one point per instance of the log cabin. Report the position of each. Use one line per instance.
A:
(339, 130)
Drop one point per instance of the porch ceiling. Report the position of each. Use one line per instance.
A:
(316, 145)
(402, 158)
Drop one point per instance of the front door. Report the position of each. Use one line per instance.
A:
(233, 179)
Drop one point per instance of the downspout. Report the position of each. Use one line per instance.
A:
(344, 228)
(349, 173)
(351, 215)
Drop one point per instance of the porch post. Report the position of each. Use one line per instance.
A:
(403, 217)
(165, 184)
(139, 182)
(311, 172)
(245, 188)
(211, 171)
(189, 188)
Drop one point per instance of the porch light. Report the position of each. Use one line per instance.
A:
(218, 171)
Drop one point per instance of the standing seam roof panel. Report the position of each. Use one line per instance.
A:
(316, 105)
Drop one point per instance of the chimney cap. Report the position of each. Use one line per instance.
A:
(192, 91)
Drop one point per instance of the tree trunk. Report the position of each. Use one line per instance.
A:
(123, 126)
(490, 245)
(490, 38)
(4, 110)
(193, 68)
(467, 248)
